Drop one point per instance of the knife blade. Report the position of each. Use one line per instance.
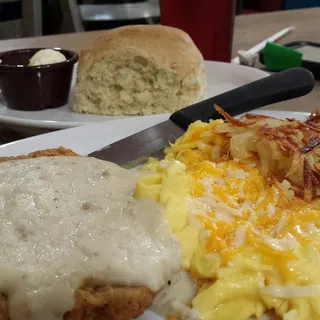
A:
(136, 149)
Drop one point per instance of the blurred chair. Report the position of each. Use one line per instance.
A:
(72, 20)
(32, 18)
(20, 18)
(92, 15)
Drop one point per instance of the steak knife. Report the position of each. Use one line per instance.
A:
(136, 149)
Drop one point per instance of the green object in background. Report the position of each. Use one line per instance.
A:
(277, 57)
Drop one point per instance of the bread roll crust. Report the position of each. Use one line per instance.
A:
(169, 47)
(169, 53)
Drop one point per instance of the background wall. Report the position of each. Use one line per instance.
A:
(296, 4)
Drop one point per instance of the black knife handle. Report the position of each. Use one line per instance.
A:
(285, 85)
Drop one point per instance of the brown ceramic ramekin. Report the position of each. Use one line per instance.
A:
(38, 87)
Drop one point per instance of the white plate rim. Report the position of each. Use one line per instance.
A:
(86, 139)
(254, 74)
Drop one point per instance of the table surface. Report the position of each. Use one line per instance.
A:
(249, 30)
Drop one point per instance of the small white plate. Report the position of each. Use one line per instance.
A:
(86, 139)
(221, 77)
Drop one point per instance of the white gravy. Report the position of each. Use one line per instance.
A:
(173, 298)
(67, 219)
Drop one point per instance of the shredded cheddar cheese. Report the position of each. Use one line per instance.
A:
(246, 240)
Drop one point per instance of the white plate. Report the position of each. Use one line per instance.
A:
(86, 139)
(221, 77)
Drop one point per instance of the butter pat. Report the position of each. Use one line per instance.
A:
(46, 56)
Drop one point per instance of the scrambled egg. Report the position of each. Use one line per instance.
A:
(251, 246)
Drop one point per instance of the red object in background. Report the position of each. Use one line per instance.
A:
(208, 22)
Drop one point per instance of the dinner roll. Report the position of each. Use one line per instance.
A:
(138, 70)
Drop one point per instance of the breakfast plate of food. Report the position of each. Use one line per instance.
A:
(241, 223)
(225, 225)
(167, 211)
(129, 71)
